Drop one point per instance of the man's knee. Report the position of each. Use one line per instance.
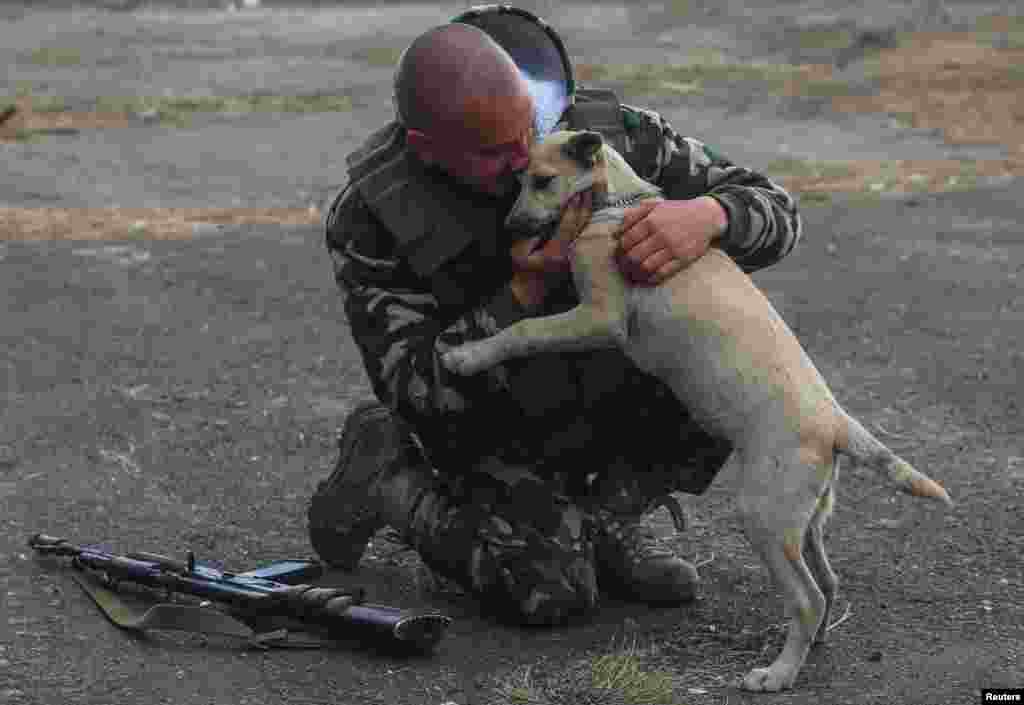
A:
(541, 588)
(519, 573)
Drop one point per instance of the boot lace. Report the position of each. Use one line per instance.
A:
(635, 539)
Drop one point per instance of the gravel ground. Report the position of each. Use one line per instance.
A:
(186, 394)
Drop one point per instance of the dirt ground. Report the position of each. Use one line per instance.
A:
(176, 367)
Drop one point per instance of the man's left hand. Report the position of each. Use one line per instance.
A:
(660, 238)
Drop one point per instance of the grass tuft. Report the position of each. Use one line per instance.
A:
(28, 136)
(617, 678)
(815, 198)
(56, 56)
(378, 56)
(833, 39)
(679, 8)
(176, 110)
(1001, 30)
(712, 67)
(49, 104)
(623, 673)
(789, 167)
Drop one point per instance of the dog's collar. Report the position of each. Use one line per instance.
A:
(602, 211)
(623, 201)
(614, 211)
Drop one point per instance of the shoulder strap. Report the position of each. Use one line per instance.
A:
(429, 224)
(187, 618)
(436, 228)
(599, 110)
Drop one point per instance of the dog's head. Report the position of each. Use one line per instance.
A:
(564, 164)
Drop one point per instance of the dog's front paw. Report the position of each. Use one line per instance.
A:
(769, 680)
(465, 360)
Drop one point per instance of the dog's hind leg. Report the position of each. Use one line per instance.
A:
(775, 518)
(817, 558)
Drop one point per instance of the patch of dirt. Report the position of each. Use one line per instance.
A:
(953, 82)
(26, 119)
(973, 93)
(138, 223)
(958, 83)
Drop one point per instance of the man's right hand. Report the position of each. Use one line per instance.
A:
(537, 272)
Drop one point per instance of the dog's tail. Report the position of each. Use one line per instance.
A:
(858, 443)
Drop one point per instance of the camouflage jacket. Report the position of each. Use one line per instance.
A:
(424, 265)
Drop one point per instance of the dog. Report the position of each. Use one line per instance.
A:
(714, 338)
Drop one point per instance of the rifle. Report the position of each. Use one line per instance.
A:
(243, 599)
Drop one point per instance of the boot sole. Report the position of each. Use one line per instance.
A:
(338, 545)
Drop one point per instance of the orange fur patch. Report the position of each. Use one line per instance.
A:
(792, 545)
(926, 487)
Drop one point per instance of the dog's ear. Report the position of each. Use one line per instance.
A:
(584, 148)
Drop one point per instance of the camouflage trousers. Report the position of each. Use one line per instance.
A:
(506, 536)
(521, 538)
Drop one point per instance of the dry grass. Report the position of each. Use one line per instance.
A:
(382, 57)
(137, 223)
(56, 56)
(39, 114)
(711, 67)
(895, 177)
(615, 678)
(176, 110)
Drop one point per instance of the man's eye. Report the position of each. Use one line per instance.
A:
(542, 182)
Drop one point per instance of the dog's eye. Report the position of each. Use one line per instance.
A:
(542, 182)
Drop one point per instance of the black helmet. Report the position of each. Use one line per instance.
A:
(538, 52)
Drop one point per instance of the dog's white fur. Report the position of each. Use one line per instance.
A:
(716, 340)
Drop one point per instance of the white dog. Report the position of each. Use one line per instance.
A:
(715, 339)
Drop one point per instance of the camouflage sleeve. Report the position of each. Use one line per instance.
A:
(398, 327)
(764, 225)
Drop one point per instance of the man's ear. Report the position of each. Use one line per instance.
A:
(584, 148)
(421, 145)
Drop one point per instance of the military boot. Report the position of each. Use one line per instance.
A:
(632, 566)
(379, 479)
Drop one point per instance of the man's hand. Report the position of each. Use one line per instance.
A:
(660, 238)
(536, 272)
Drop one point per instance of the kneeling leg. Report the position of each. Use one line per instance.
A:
(528, 563)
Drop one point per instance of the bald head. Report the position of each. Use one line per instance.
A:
(455, 82)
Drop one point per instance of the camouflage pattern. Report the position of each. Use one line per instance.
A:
(764, 225)
(590, 427)
(511, 539)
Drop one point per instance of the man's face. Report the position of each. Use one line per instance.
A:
(493, 169)
(489, 147)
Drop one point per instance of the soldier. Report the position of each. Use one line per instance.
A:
(525, 484)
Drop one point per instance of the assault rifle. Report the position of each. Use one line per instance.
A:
(237, 603)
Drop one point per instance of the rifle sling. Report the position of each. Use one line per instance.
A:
(185, 618)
